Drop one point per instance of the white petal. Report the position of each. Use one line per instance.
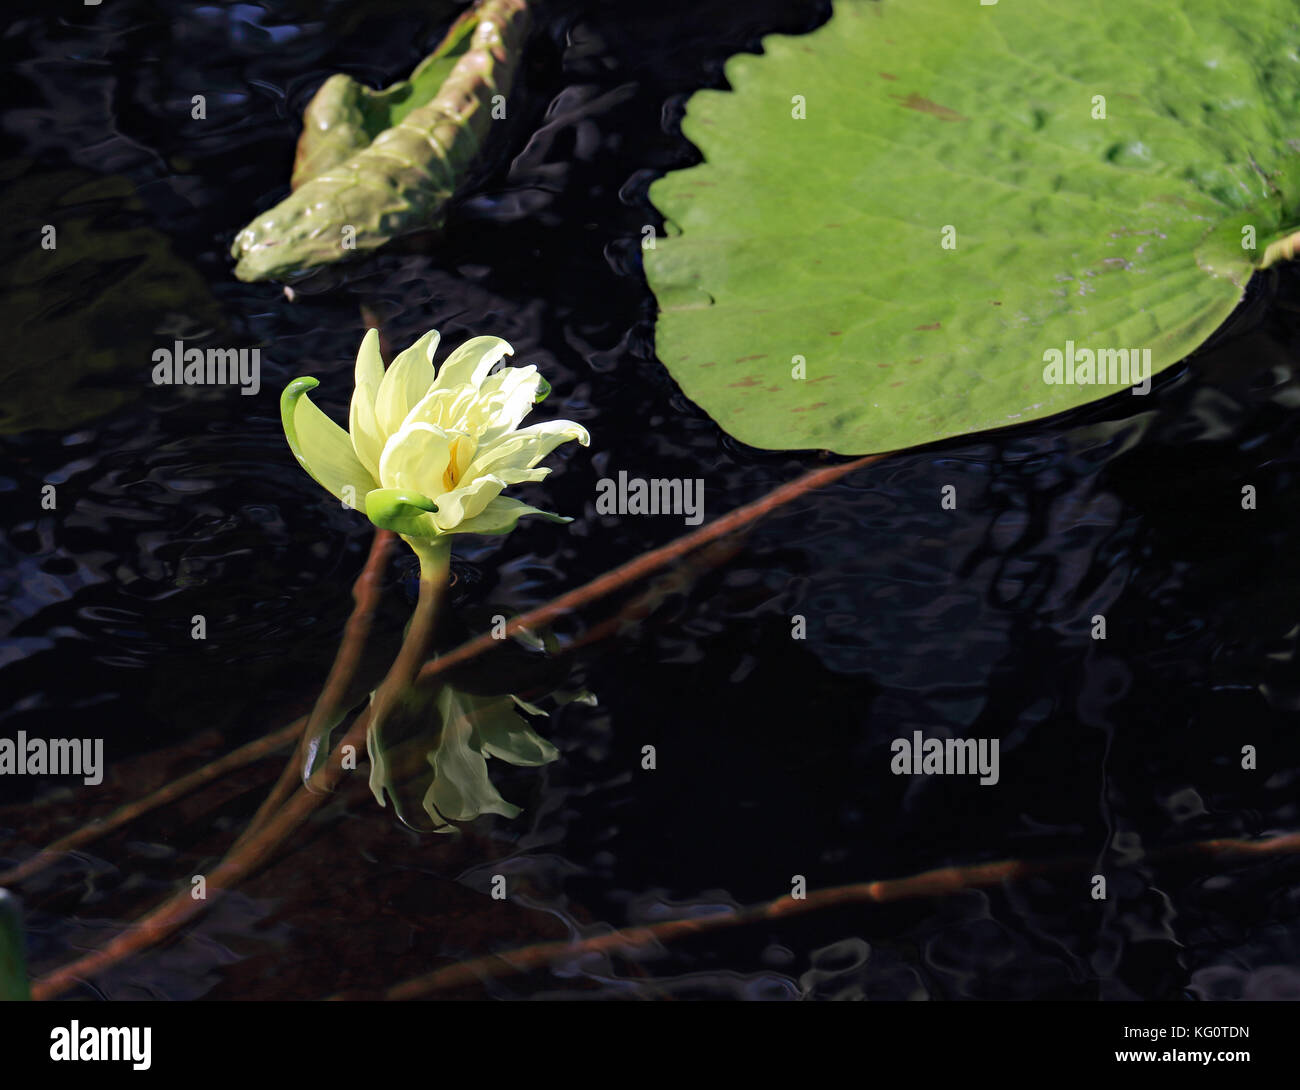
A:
(522, 476)
(370, 364)
(500, 516)
(415, 457)
(466, 502)
(405, 383)
(471, 362)
(451, 409)
(512, 393)
(505, 380)
(322, 448)
(526, 447)
(366, 438)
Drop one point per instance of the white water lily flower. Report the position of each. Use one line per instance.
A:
(429, 454)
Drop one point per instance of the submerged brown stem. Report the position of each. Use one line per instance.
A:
(434, 578)
(156, 926)
(365, 593)
(645, 564)
(274, 820)
(328, 710)
(395, 689)
(932, 883)
(167, 918)
(91, 831)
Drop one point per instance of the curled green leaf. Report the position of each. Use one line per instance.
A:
(351, 199)
(344, 116)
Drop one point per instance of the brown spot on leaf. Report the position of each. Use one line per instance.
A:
(809, 408)
(746, 359)
(933, 325)
(925, 106)
(888, 75)
(1170, 198)
(748, 380)
(836, 332)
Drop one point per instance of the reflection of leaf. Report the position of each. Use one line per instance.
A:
(401, 181)
(527, 663)
(475, 728)
(454, 733)
(531, 709)
(504, 735)
(820, 237)
(100, 302)
(461, 788)
(559, 698)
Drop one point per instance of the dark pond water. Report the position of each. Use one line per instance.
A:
(773, 754)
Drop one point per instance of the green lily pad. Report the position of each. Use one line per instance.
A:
(970, 188)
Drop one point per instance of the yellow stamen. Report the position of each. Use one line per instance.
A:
(451, 475)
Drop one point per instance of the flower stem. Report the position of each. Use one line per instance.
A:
(435, 572)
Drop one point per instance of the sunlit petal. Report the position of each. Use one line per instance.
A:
(500, 516)
(321, 446)
(416, 457)
(466, 502)
(367, 441)
(471, 362)
(527, 446)
(405, 383)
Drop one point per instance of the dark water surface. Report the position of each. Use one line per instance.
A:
(773, 754)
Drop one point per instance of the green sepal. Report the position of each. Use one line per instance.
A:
(404, 512)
